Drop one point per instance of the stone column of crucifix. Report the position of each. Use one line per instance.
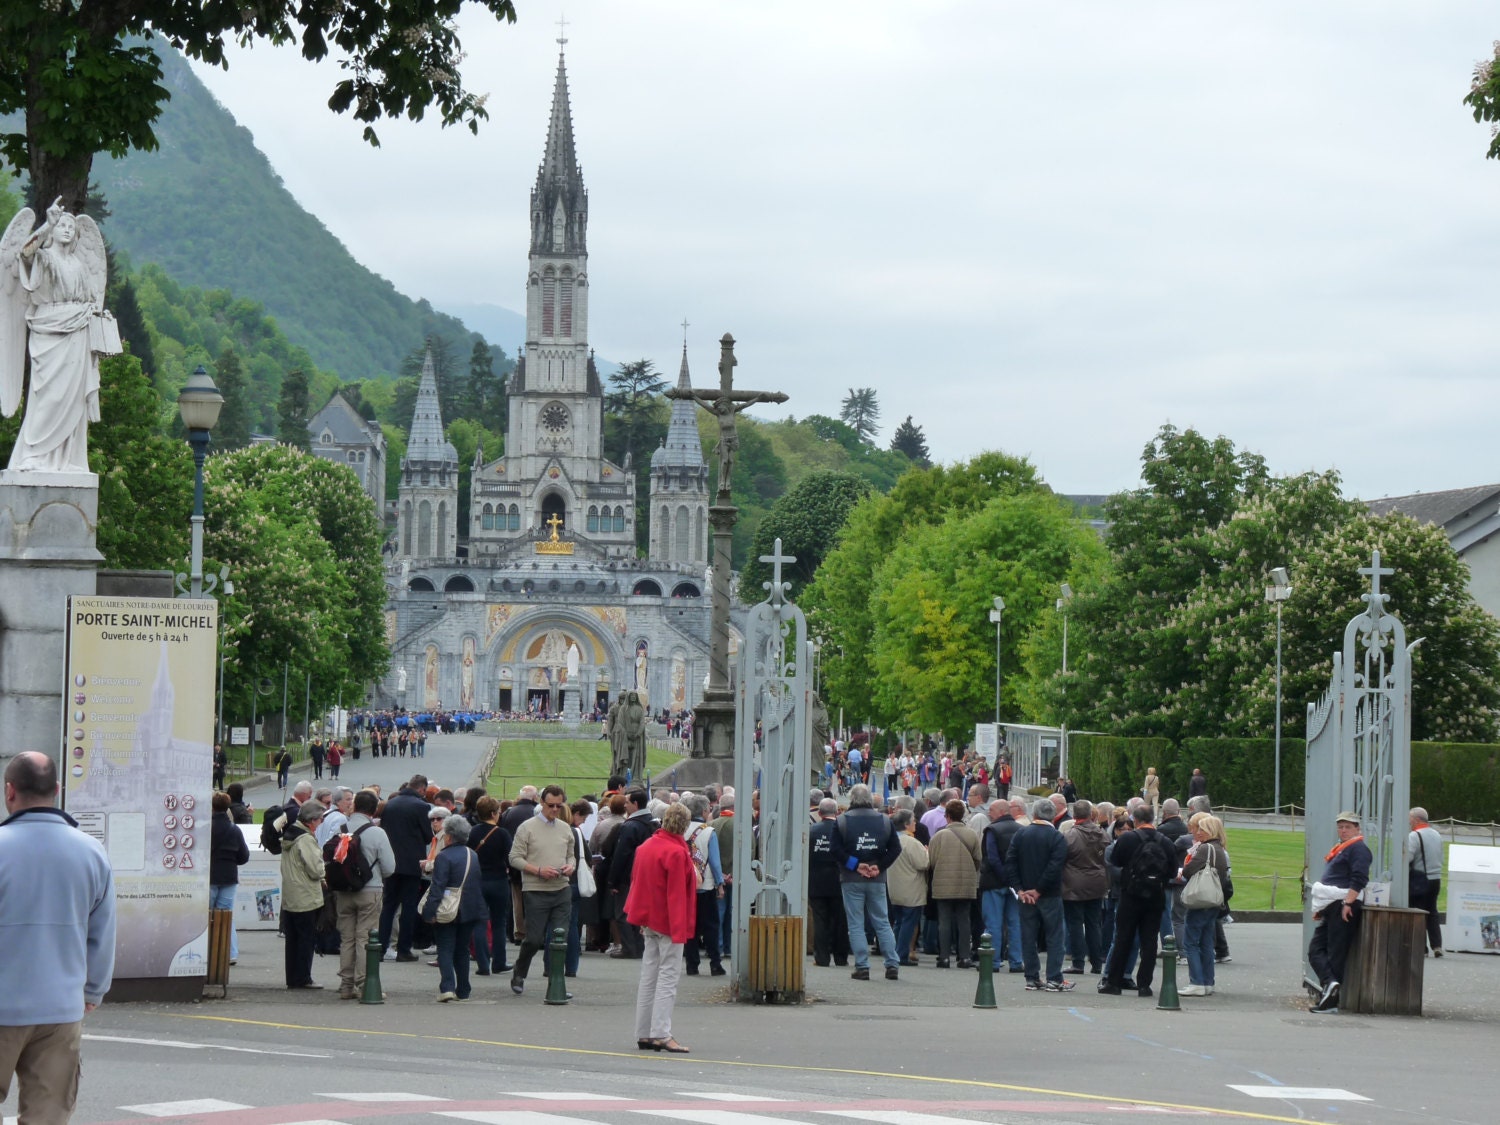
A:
(715, 738)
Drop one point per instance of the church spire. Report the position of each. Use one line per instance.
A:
(559, 201)
(426, 441)
(682, 447)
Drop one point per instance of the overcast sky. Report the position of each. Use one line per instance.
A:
(1047, 228)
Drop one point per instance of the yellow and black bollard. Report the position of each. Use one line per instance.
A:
(1166, 999)
(373, 954)
(557, 982)
(984, 994)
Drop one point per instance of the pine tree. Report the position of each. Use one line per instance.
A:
(484, 397)
(233, 430)
(133, 327)
(860, 410)
(910, 440)
(292, 410)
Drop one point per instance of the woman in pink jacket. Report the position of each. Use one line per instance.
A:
(663, 902)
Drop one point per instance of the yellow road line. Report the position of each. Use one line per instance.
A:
(973, 1083)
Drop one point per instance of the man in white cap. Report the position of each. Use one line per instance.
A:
(1336, 907)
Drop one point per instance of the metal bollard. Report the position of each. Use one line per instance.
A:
(984, 993)
(557, 983)
(373, 954)
(1166, 999)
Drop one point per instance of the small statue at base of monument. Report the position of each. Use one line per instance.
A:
(633, 719)
(614, 730)
(52, 282)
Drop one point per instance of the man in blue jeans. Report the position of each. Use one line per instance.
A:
(1034, 867)
(999, 905)
(865, 845)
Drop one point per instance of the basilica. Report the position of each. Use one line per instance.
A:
(551, 562)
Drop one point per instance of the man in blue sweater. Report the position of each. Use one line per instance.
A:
(58, 934)
(1343, 887)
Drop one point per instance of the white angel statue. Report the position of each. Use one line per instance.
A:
(52, 306)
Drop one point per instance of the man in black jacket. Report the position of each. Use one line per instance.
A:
(639, 827)
(1001, 909)
(1146, 859)
(1034, 867)
(409, 830)
(865, 845)
(824, 896)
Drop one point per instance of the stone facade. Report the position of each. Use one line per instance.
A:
(551, 556)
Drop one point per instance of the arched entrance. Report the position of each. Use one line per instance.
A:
(553, 505)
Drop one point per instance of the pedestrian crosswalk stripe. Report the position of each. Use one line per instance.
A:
(382, 1096)
(889, 1116)
(563, 1096)
(513, 1117)
(183, 1109)
(1301, 1093)
(714, 1096)
(718, 1117)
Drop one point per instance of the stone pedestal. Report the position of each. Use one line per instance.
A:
(48, 527)
(713, 727)
(572, 716)
(695, 774)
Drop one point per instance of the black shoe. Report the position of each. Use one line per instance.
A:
(1144, 990)
(860, 974)
(1076, 968)
(1127, 982)
(407, 957)
(820, 964)
(1110, 989)
(1329, 1001)
(517, 984)
(942, 962)
(1096, 970)
(481, 972)
(966, 964)
(893, 973)
(1018, 968)
(843, 962)
(692, 972)
(720, 971)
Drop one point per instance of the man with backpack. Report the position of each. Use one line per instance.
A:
(278, 818)
(1149, 864)
(356, 863)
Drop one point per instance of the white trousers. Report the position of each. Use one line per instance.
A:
(661, 968)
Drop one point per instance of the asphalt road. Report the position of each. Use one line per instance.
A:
(911, 1052)
(451, 761)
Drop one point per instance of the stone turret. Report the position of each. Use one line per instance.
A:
(427, 502)
(679, 486)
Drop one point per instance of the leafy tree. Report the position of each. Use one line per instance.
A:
(861, 412)
(1484, 96)
(807, 518)
(404, 403)
(933, 647)
(634, 398)
(233, 430)
(468, 436)
(292, 412)
(839, 601)
(910, 440)
(88, 83)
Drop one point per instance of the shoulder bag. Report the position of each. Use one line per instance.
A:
(447, 910)
(1204, 891)
(587, 888)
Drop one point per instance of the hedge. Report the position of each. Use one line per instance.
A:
(1448, 779)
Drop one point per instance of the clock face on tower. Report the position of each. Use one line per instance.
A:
(554, 417)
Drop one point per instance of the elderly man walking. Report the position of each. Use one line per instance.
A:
(1034, 867)
(58, 934)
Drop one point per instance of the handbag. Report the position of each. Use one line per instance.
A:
(587, 888)
(447, 910)
(1204, 891)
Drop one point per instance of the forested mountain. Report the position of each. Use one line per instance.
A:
(210, 209)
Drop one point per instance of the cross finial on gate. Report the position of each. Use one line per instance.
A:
(1375, 598)
(776, 586)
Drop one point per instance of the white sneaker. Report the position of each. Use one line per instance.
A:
(444, 997)
(1192, 990)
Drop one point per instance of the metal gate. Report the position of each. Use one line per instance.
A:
(1359, 751)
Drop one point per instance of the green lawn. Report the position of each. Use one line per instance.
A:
(1258, 853)
(579, 765)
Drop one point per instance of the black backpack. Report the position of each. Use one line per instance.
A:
(1151, 868)
(270, 835)
(352, 871)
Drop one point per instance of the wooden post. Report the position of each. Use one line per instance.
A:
(1384, 973)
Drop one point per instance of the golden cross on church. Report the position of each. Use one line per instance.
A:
(554, 523)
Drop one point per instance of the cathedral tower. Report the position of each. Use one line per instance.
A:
(679, 486)
(427, 505)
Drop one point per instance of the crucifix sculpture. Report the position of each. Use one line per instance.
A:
(714, 730)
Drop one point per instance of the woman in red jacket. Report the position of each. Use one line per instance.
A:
(663, 902)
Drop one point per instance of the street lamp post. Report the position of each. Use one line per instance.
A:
(1062, 608)
(198, 403)
(1279, 591)
(1062, 750)
(995, 616)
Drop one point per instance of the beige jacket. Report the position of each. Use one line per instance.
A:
(954, 853)
(301, 872)
(906, 881)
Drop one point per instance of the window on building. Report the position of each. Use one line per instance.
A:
(326, 438)
(619, 519)
(593, 518)
(549, 302)
(487, 520)
(565, 305)
(353, 456)
(515, 518)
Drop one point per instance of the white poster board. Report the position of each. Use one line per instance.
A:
(1473, 887)
(138, 729)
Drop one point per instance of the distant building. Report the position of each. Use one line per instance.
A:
(1470, 517)
(551, 534)
(339, 434)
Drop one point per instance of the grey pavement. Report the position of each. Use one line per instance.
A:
(452, 760)
(906, 1052)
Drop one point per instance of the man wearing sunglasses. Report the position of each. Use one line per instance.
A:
(545, 854)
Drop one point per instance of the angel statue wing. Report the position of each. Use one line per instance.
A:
(95, 263)
(13, 302)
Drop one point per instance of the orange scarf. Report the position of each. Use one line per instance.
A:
(1340, 847)
(1420, 825)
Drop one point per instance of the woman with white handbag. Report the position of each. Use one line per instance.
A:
(1205, 875)
(454, 905)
